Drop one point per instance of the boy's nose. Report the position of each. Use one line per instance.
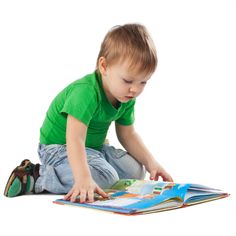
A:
(133, 90)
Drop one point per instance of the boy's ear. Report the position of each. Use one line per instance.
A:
(102, 65)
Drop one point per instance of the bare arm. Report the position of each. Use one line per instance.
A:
(75, 141)
(84, 186)
(134, 145)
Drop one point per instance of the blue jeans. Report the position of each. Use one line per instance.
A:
(107, 166)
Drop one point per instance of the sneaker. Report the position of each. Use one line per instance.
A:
(22, 179)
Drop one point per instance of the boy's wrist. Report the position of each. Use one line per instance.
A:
(150, 164)
(82, 175)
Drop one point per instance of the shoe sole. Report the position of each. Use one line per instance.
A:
(12, 177)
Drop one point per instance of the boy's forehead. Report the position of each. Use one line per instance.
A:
(124, 65)
(133, 72)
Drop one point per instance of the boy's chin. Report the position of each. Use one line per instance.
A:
(124, 99)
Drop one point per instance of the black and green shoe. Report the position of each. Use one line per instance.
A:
(22, 179)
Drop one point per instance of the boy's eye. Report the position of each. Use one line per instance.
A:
(127, 81)
(144, 82)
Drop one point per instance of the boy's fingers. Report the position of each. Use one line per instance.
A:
(67, 196)
(171, 180)
(153, 176)
(83, 195)
(168, 178)
(101, 192)
(74, 196)
(90, 196)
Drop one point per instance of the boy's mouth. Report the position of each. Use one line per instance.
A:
(129, 97)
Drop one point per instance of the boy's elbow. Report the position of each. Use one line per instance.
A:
(121, 139)
(125, 138)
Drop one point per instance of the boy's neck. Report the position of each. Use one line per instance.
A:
(115, 103)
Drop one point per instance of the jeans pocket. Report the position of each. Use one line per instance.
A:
(119, 153)
(51, 148)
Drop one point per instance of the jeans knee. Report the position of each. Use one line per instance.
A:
(112, 178)
(104, 177)
(139, 172)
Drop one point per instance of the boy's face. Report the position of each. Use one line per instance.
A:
(121, 84)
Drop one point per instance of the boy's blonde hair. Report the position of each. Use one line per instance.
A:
(132, 43)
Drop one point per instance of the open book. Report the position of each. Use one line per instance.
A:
(131, 196)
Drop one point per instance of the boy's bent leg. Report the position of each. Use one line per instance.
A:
(102, 172)
(56, 175)
(125, 165)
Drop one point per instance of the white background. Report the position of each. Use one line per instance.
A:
(186, 114)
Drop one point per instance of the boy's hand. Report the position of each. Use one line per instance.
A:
(85, 189)
(157, 170)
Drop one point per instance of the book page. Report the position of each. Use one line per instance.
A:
(143, 187)
(197, 196)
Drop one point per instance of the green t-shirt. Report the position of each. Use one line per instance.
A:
(85, 100)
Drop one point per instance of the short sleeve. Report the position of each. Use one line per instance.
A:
(81, 103)
(127, 117)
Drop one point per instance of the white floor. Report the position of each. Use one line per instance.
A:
(37, 215)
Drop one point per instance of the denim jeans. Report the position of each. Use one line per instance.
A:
(106, 166)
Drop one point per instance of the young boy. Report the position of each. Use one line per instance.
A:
(74, 158)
